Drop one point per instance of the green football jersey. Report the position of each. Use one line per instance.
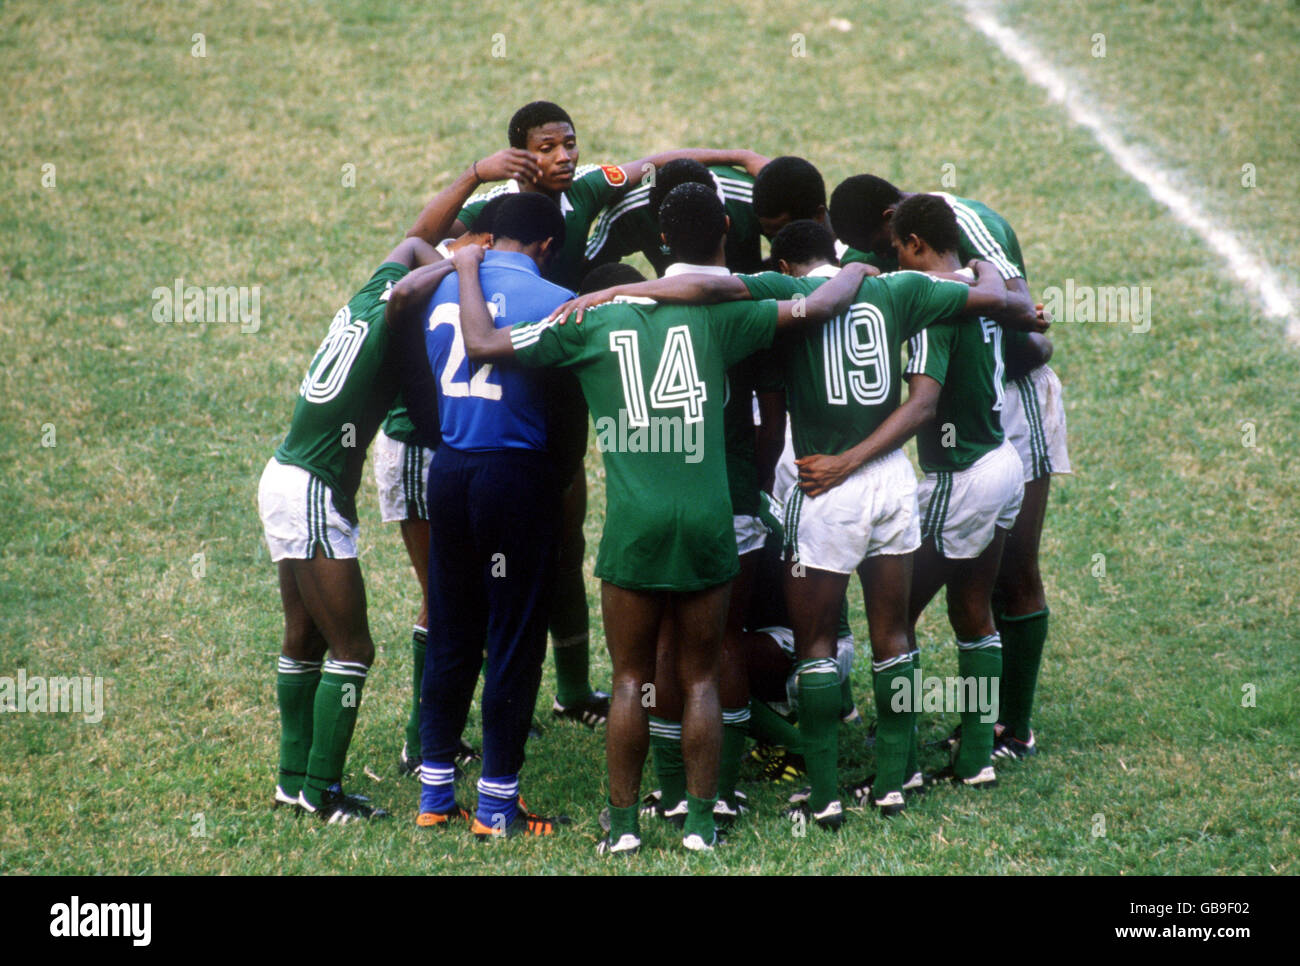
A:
(628, 226)
(842, 379)
(966, 359)
(349, 388)
(397, 424)
(983, 233)
(654, 376)
(594, 186)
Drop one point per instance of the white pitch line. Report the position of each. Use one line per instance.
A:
(1252, 270)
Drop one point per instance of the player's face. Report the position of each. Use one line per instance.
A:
(882, 241)
(909, 253)
(770, 226)
(556, 148)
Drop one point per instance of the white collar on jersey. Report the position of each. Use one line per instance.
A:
(686, 268)
(840, 249)
(824, 271)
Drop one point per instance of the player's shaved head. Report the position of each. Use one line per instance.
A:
(930, 219)
(858, 208)
(534, 115)
(788, 189)
(607, 276)
(804, 243)
(528, 217)
(693, 222)
(681, 171)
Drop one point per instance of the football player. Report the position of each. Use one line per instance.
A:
(307, 503)
(493, 536)
(1033, 418)
(654, 379)
(543, 157)
(841, 380)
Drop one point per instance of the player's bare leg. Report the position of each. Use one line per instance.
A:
(1020, 611)
(334, 596)
(297, 678)
(699, 621)
(886, 583)
(415, 537)
(813, 602)
(631, 620)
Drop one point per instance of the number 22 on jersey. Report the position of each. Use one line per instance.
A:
(448, 313)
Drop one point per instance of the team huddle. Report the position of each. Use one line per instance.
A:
(750, 421)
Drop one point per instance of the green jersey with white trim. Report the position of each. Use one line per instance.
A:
(984, 234)
(628, 226)
(594, 186)
(654, 376)
(397, 424)
(842, 379)
(966, 359)
(349, 387)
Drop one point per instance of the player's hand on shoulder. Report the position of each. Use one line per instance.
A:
(980, 267)
(467, 257)
(509, 163)
(577, 306)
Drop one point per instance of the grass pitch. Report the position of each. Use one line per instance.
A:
(1167, 709)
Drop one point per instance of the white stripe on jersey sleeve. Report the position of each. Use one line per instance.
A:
(918, 347)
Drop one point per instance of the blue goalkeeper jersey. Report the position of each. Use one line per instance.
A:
(483, 406)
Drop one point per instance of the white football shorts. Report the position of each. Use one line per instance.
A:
(1033, 419)
(750, 534)
(960, 509)
(298, 515)
(402, 475)
(872, 513)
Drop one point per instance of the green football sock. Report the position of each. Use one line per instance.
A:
(819, 706)
(895, 722)
(846, 696)
(699, 817)
(623, 821)
(1022, 656)
(419, 644)
(338, 696)
(569, 625)
(295, 687)
(768, 726)
(670, 768)
(913, 746)
(982, 661)
(735, 728)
